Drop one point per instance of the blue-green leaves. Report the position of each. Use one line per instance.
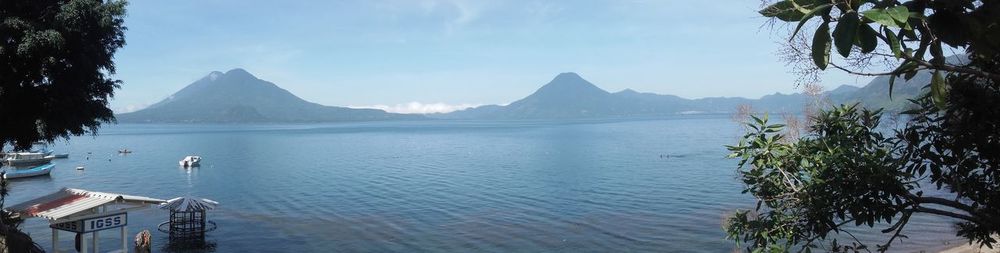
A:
(891, 17)
(845, 170)
(790, 10)
(868, 38)
(894, 43)
(37, 42)
(853, 27)
(899, 13)
(839, 172)
(783, 10)
(906, 67)
(880, 16)
(845, 32)
(939, 90)
(821, 46)
(812, 13)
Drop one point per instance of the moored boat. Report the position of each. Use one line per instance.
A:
(27, 158)
(35, 171)
(190, 161)
(61, 156)
(41, 147)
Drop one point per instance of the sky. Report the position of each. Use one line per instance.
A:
(419, 56)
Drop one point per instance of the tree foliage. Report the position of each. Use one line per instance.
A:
(56, 59)
(849, 170)
(56, 66)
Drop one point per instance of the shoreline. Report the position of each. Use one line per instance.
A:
(967, 248)
(970, 248)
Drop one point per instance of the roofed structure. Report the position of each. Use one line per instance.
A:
(188, 204)
(70, 210)
(69, 202)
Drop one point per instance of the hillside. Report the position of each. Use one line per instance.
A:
(238, 96)
(570, 96)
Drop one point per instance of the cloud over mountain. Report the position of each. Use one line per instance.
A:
(418, 107)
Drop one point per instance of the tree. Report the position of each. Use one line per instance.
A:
(56, 59)
(848, 169)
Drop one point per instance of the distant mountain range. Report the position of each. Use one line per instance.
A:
(876, 93)
(570, 96)
(237, 96)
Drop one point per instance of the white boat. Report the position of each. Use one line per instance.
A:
(190, 161)
(36, 171)
(27, 158)
(41, 147)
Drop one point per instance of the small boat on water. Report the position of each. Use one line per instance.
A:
(41, 147)
(27, 158)
(190, 161)
(61, 156)
(124, 151)
(35, 171)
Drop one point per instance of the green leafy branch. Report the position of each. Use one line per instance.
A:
(843, 172)
(865, 24)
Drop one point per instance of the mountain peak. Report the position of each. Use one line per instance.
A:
(215, 75)
(238, 72)
(627, 91)
(238, 96)
(570, 83)
(568, 76)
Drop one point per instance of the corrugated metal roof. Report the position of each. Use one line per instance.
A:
(68, 201)
(189, 204)
(115, 196)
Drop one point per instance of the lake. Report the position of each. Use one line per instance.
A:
(652, 185)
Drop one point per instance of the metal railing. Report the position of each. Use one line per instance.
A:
(165, 226)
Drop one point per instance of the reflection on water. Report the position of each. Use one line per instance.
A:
(466, 186)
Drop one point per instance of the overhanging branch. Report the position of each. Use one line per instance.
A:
(952, 68)
(945, 202)
(945, 213)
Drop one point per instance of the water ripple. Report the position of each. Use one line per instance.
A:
(588, 186)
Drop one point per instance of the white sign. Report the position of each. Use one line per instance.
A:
(94, 224)
(105, 222)
(72, 226)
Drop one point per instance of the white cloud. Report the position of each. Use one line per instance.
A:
(130, 108)
(418, 107)
(463, 13)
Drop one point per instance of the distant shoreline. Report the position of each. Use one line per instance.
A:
(971, 249)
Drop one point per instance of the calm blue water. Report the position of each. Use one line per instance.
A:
(435, 186)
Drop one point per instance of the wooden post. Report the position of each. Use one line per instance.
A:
(124, 239)
(55, 240)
